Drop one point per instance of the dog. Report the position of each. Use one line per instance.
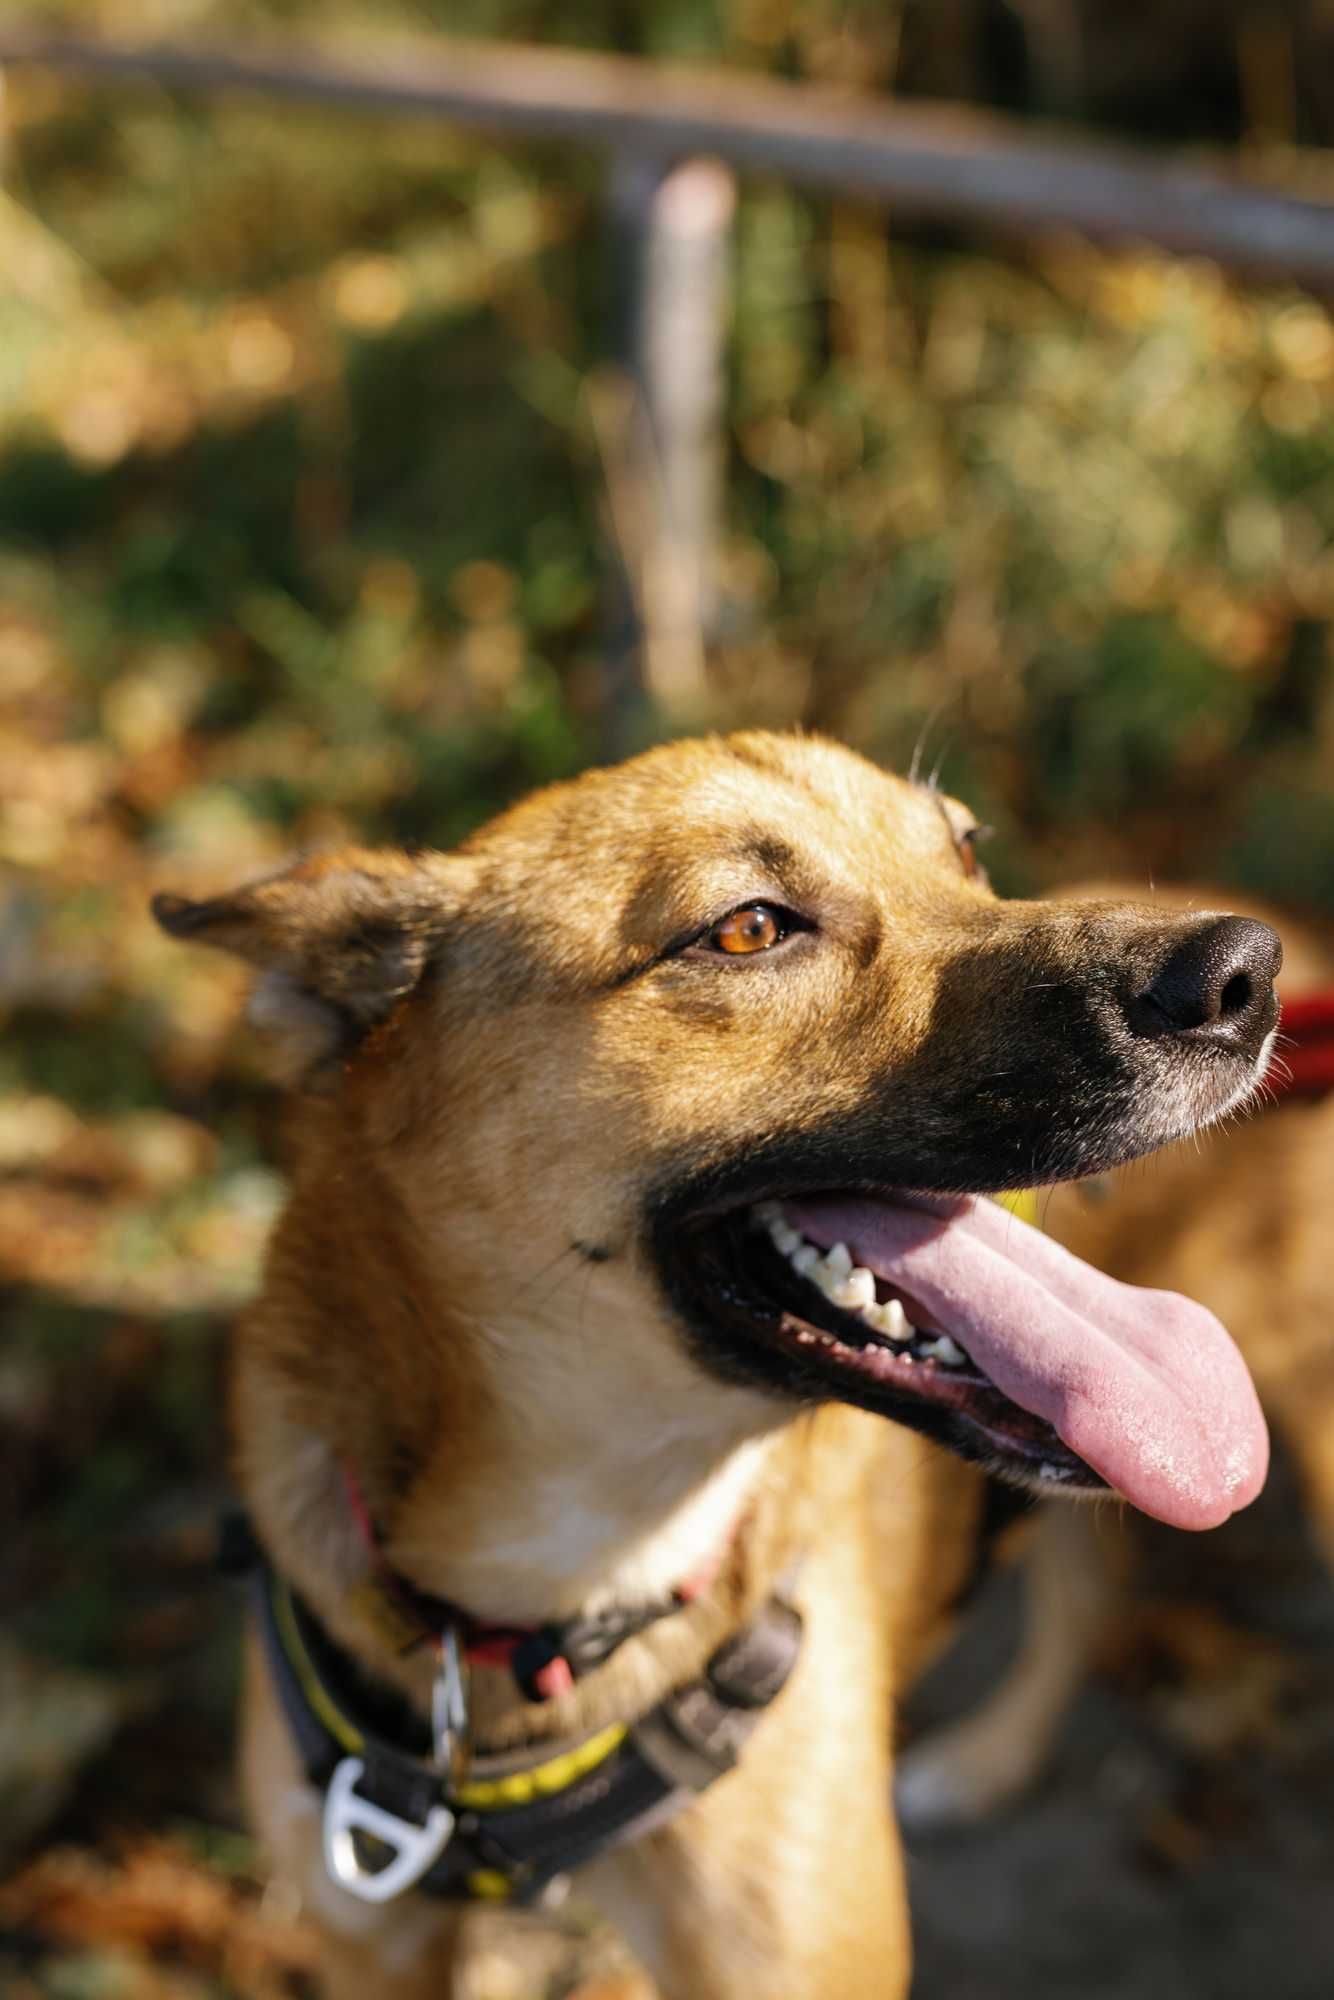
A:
(636, 1256)
(1235, 1218)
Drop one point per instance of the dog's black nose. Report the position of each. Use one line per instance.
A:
(1214, 987)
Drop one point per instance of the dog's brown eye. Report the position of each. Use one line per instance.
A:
(968, 844)
(755, 928)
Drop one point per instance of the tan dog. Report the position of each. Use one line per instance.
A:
(1239, 1220)
(597, 1281)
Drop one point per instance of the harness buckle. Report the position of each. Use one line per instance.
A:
(414, 1849)
(450, 1733)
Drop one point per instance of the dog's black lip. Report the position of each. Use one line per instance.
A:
(747, 1326)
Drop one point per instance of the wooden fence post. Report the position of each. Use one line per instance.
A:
(658, 416)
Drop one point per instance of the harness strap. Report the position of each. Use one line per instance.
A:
(522, 1818)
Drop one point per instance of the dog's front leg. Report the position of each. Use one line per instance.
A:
(410, 1949)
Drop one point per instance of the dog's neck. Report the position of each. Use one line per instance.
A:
(612, 1475)
(554, 1463)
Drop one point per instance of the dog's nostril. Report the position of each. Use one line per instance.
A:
(1236, 995)
(1216, 985)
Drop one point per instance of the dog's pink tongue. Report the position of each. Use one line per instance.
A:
(1145, 1386)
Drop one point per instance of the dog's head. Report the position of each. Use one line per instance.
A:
(739, 1030)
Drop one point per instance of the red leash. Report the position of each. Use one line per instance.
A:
(1302, 1064)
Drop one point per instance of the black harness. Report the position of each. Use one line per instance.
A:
(506, 1827)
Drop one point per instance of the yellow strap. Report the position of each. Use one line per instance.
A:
(303, 1666)
(543, 1779)
(489, 1885)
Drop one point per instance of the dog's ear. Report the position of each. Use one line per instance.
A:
(338, 940)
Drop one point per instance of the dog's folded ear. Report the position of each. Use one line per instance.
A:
(338, 939)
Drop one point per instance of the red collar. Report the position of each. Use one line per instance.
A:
(545, 1660)
(1303, 1061)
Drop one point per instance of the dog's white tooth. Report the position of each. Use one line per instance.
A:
(857, 1290)
(785, 1236)
(838, 1260)
(805, 1260)
(894, 1319)
(767, 1212)
(864, 1280)
(947, 1351)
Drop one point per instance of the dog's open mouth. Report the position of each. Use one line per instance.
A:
(952, 1315)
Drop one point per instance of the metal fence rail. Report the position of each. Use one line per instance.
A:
(950, 163)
